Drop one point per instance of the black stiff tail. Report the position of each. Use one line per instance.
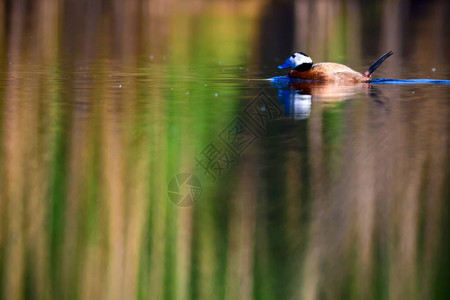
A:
(377, 64)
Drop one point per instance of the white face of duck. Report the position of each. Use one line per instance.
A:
(298, 61)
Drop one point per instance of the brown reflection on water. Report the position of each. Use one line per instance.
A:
(349, 202)
(330, 92)
(383, 198)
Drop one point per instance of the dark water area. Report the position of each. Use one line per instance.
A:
(153, 150)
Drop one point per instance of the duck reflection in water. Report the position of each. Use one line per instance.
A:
(297, 97)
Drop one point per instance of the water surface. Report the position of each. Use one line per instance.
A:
(145, 154)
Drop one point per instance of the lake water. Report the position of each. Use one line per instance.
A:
(153, 150)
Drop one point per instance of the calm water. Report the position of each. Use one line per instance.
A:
(145, 154)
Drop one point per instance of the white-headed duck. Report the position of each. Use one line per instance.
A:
(303, 68)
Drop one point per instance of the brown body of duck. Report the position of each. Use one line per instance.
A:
(303, 68)
(330, 72)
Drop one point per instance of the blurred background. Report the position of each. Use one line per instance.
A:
(103, 102)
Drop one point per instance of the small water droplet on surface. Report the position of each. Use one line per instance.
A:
(206, 84)
(187, 93)
(215, 94)
(120, 85)
(433, 69)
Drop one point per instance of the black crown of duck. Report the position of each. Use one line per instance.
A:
(303, 68)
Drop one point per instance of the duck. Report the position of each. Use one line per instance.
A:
(303, 68)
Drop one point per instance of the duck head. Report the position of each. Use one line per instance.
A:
(298, 61)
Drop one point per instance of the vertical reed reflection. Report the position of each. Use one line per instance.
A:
(13, 169)
(105, 101)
